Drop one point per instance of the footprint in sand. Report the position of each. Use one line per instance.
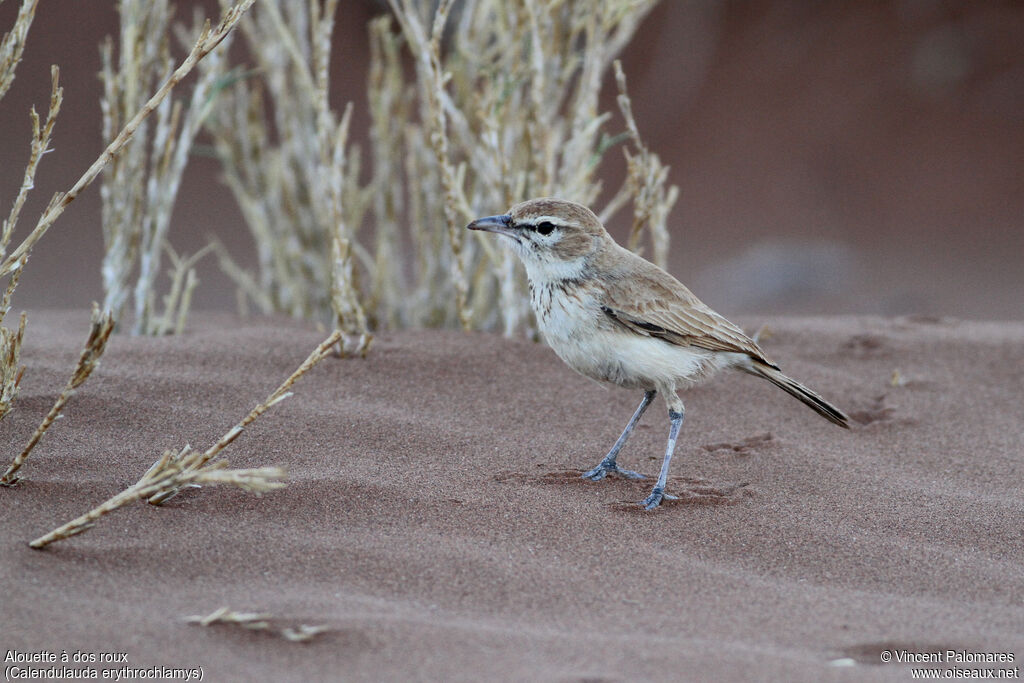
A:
(877, 412)
(693, 492)
(866, 346)
(743, 448)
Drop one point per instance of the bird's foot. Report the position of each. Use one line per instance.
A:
(654, 500)
(607, 467)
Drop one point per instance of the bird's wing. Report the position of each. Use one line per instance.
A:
(652, 303)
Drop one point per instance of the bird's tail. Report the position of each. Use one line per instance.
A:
(801, 393)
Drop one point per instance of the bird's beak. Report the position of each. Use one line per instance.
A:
(501, 225)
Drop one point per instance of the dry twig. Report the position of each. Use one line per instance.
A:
(99, 332)
(12, 45)
(10, 368)
(196, 461)
(427, 48)
(40, 145)
(208, 40)
(166, 474)
(176, 470)
(10, 341)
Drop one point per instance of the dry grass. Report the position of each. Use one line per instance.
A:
(293, 173)
(10, 340)
(502, 105)
(40, 144)
(178, 300)
(168, 473)
(176, 470)
(646, 179)
(504, 108)
(207, 41)
(195, 462)
(12, 45)
(140, 184)
(13, 263)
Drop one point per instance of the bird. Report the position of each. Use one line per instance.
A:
(617, 318)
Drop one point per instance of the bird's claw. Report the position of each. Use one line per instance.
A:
(606, 468)
(654, 500)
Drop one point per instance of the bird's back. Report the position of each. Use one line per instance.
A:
(649, 301)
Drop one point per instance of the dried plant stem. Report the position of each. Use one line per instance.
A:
(388, 104)
(351, 319)
(40, 143)
(178, 469)
(12, 284)
(348, 312)
(95, 345)
(434, 79)
(254, 621)
(279, 394)
(179, 297)
(439, 140)
(10, 368)
(10, 341)
(140, 186)
(208, 40)
(13, 44)
(169, 473)
(248, 287)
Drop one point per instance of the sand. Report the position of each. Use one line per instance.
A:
(436, 523)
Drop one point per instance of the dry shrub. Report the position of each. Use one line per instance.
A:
(501, 105)
(12, 262)
(12, 47)
(140, 185)
(506, 108)
(293, 173)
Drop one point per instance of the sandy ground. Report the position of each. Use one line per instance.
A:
(436, 522)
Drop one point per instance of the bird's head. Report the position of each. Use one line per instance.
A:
(548, 234)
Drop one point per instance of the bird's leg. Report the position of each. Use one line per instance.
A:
(658, 492)
(608, 465)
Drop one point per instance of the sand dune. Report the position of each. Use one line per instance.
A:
(436, 523)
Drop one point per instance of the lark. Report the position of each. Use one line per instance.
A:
(615, 317)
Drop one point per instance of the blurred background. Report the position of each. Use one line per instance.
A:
(832, 157)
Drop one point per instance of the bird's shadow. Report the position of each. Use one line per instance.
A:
(687, 491)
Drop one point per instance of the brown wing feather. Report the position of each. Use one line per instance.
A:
(648, 301)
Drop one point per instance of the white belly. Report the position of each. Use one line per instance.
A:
(593, 345)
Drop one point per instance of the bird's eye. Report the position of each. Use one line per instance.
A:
(545, 228)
